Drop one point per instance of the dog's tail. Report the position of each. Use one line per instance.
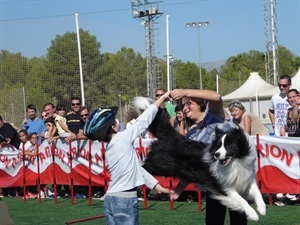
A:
(160, 126)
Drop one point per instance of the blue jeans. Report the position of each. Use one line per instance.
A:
(121, 210)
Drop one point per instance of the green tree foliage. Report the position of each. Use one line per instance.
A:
(37, 83)
(288, 61)
(63, 63)
(12, 66)
(187, 75)
(123, 73)
(110, 77)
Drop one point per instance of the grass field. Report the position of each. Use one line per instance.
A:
(47, 212)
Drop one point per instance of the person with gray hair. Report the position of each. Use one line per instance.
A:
(248, 121)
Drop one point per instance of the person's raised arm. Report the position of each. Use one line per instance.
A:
(214, 99)
(161, 99)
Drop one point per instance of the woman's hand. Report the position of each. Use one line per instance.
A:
(177, 94)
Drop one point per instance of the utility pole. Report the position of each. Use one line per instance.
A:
(271, 55)
(148, 12)
(198, 25)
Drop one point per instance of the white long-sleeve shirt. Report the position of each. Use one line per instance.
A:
(121, 157)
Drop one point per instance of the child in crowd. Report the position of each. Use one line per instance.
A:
(25, 143)
(29, 153)
(51, 133)
(32, 148)
(61, 124)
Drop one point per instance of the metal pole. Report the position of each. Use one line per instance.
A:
(120, 107)
(24, 102)
(80, 61)
(168, 53)
(199, 56)
(198, 25)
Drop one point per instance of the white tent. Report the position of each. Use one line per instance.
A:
(255, 94)
(296, 81)
(254, 86)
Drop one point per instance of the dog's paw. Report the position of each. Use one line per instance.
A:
(142, 102)
(261, 208)
(251, 214)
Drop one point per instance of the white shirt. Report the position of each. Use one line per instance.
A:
(121, 157)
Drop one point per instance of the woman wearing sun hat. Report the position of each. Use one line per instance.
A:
(248, 121)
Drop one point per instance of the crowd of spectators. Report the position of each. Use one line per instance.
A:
(186, 116)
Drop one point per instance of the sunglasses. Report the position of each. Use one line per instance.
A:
(84, 115)
(158, 95)
(233, 103)
(73, 104)
(283, 85)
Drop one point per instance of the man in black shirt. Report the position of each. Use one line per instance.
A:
(9, 134)
(74, 124)
(73, 118)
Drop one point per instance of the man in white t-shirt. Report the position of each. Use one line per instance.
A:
(279, 105)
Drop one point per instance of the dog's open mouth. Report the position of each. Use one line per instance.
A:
(225, 161)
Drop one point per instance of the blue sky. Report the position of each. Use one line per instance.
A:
(236, 26)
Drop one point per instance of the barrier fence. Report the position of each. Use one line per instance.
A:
(82, 163)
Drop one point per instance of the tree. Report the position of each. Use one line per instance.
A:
(13, 68)
(187, 74)
(121, 73)
(63, 63)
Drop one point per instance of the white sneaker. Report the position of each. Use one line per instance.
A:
(42, 194)
(290, 196)
(279, 195)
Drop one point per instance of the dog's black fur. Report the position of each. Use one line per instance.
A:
(225, 167)
(174, 155)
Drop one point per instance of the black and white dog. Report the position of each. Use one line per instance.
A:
(226, 167)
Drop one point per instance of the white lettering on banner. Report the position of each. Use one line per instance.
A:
(79, 154)
(9, 160)
(142, 148)
(282, 153)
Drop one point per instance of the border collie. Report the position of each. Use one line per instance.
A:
(226, 167)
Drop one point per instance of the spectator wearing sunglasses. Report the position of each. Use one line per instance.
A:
(73, 117)
(169, 107)
(84, 114)
(279, 104)
(248, 121)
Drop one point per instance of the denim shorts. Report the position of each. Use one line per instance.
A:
(121, 210)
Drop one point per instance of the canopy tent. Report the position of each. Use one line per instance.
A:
(257, 90)
(296, 81)
(253, 87)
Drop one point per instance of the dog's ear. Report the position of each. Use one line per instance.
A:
(219, 133)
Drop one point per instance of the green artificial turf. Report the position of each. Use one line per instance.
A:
(47, 212)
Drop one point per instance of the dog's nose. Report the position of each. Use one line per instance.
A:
(217, 154)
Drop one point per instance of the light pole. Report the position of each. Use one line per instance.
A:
(198, 25)
(120, 106)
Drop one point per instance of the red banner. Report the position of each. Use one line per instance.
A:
(279, 170)
(81, 163)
